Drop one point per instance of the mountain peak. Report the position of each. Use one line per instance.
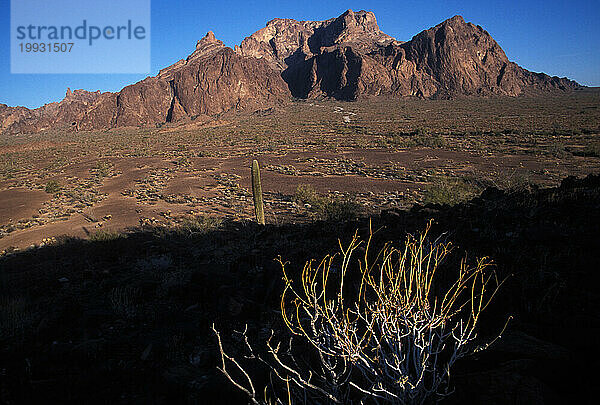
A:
(345, 57)
(81, 94)
(284, 41)
(457, 19)
(205, 46)
(362, 18)
(208, 38)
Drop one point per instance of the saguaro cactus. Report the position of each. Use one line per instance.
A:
(257, 193)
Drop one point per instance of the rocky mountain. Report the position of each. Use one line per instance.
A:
(211, 80)
(63, 113)
(345, 58)
(349, 57)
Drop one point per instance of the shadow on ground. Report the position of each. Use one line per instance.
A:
(126, 319)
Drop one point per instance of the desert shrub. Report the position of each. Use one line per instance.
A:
(514, 182)
(199, 225)
(418, 137)
(52, 187)
(450, 190)
(592, 150)
(305, 193)
(182, 227)
(379, 328)
(400, 141)
(8, 169)
(430, 140)
(102, 169)
(558, 150)
(104, 235)
(206, 153)
(183, 161)
(327, 208)
(339, 209)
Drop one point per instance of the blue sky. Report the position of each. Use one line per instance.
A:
(557, 37)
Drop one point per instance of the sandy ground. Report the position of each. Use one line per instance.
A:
(220, 186)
